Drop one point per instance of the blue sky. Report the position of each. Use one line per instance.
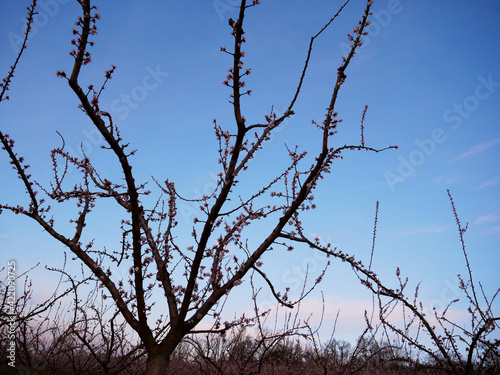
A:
(428, 72)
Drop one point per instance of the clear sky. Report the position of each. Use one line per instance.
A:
(429, 72)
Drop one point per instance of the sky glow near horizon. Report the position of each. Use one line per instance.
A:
(429, 73)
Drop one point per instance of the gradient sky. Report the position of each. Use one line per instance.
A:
(429, 72)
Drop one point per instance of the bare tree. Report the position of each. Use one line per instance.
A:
(449, 347)
(453, 347)
(260, 347)
(194, 280)
(60, 333)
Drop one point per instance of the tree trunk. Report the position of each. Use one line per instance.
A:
(157, 364)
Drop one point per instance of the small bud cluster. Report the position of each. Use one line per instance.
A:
(234, 76)
(85, 29)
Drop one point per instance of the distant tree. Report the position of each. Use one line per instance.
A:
(461, 349)
(193, 280)
(338, 352)
(429, 341)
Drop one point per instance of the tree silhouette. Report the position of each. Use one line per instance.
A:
(193, 280)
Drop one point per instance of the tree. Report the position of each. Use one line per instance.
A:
(453, 348)
(194, 280)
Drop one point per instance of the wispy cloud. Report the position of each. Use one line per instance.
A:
(486, 219)
(478, 148)
(494, 230)
(351, 314)
(421, 231)
(446, 179)
(490, 182)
